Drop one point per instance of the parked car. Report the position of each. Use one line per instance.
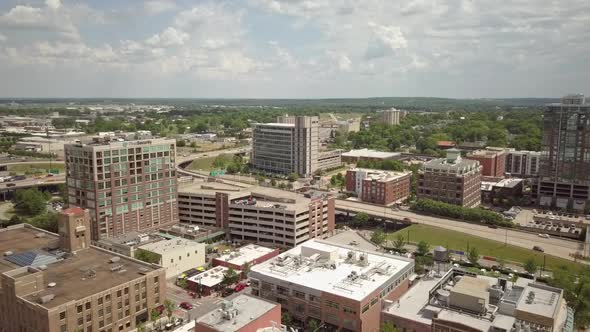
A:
(493, 226)
(406, 219)
(539, 249)
(186, 305)
(545, 236)
(239, 287)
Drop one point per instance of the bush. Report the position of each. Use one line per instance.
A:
(458, 212)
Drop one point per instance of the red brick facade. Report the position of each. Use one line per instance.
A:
(493, 162)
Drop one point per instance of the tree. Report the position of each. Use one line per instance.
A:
(29, 202)
(286, 319)
(230, 277)
(473, 255)
(169, 306)
(423, 248)
(312, 325)
(46, 221)
(293, 177)
(154, 316)
(141, 327)
(273, 182)
(378, 236)
(399, 242)
(576, 291)
(246, 269)
(361, 218)
(147, 256)
(180, 143)
(531, 266)
(182, 283)
(387, 327)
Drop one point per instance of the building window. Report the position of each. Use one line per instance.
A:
(63, 328)
(79, 309)
(332, 304)
(87, 305)
(62, 315)
(365, 308)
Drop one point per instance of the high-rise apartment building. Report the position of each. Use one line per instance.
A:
(522, 164)
(392, 116)
(61, 283)
(126, 185)
(564, 174)
(492, 161)
(451, 180)
(289, 146)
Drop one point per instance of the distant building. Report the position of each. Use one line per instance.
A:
(377, 186)
(250, 254)
(127, 185)
(176, 255)
(451, 180)
(329, 159)
(59, 283)
(564, 173)
(522, 164)
(392, 116)
(444, 145)
(244, 313)
(493, 162)
(340, 286)
(460, 301)
(354, 156)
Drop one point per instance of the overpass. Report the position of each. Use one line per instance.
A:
(7, 189)
(553, 246)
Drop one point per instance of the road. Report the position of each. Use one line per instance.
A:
(184, 158)
(31, 181)
(556, 247)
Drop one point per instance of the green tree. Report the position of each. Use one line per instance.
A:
(286, 319)
(154, 316)
(530, 265)
(576, 291)
(141, 327)
(293, 177)
(182, 283)
(387, 327)
(46, 221)
(180, 143)
(29, 202)
(147, 256)
(312, 325)
(230, 277)
(378, 236)
(399, 242)
(169, 306)
(423, 248)
(273, 182)
(360, 218)
(473, 255)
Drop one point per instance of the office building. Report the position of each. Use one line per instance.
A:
(243, 313)
(522, 164)
(503, 192)
(340, 286)
(452, 180)
(392, 116)
(126, 185)
(255, 214)
(328, 160)
(461, 301)
(564, 173)
(175, 255)
(354, 156)
(61, 283)
(377, 186)
(493, 162)
(250, 255)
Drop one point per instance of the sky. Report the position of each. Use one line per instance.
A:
(294, 48)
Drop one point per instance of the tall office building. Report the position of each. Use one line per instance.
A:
(392, 116)
(126, 185)
(564, 173)
(290, 146)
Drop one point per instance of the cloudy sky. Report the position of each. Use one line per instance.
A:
(294, 48)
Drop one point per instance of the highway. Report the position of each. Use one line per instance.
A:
(553, 246)
(32, 181)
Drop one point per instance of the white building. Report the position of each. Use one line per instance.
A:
(177, 255)
(522, 163)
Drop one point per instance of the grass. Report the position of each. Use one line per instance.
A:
(205, 164)
(32, 168)
(436, 236)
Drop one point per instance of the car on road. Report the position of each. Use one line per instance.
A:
(186, 306)
(407, 219)
(539, 249)
(11, 184)
(545, 236)
(239, 287)
(493, 226)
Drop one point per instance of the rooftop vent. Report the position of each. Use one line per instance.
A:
(8, 253)
(51, 284)
(46, 298)
(143, 270)
(39, 235)
(42, 267)
(117, 267)
(115, 259)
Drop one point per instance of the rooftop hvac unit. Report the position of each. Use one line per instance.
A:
(51, 284)
(116, 267)
(8, 253)
(39, 235)
(115, 259)
(143, 270)
(46, 298)
(42, 267)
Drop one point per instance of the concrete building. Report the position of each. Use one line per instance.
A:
(564, 173)
(451, 180)
(460, 301)
(250, 254)
(522, 164)
(377, 186)
(126, 185)
(338, 285)
(392, 116)
(61, 283)
(176, 255)
(493, 162)
(354, 156)
(503, 192)
(267, 216)
(208, 281)
(329, 159)
(243, 313)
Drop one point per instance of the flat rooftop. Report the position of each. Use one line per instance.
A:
(78, 276)
(211, 277)
(327, 267)
(366, 153)
(444, 163)
(245, 254)
(412, 304)
(381, 175)
(539, 300)
(248, 309)
(163, 246)
(210, 188)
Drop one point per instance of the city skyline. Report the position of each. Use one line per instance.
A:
(315, 49)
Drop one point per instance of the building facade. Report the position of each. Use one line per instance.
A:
(176, 255)
(493, 162)
(45, 288)
(329, 159)
(451, 180)
(522, 164)
(564, 173)
(126, 185)
(354, 156)
(250, 255)
(263, 215)
(379, 187)
(339, 286)
(392, 116)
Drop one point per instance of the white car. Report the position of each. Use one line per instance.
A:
(545, 236)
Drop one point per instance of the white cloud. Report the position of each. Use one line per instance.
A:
(156, 7)
(2, 37)
(386, 39)
(53, 4)
(169, 37)
(22, 16)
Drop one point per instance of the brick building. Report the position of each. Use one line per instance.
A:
(60, 283)
(338, 285)
(451, 180)
(492, 161)
(126, 185)
(250, 254)
(377, 186)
